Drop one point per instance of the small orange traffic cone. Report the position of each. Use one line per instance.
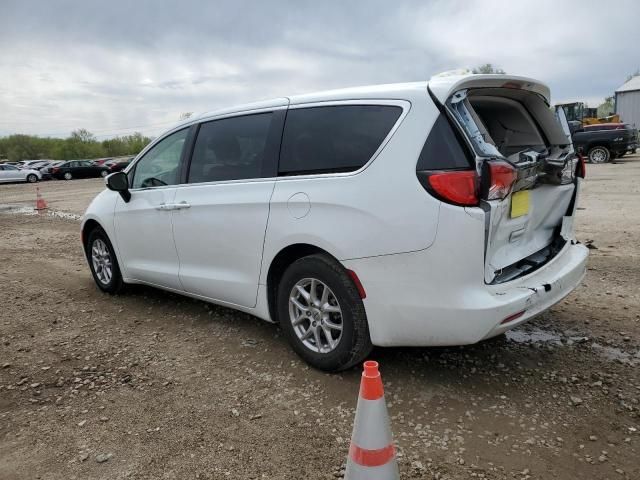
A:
(372, 455)
(41, 204)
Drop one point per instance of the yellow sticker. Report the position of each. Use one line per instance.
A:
(519, 203)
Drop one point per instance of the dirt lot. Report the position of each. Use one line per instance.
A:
(152, 385)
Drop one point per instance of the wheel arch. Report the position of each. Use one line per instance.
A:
(87, 227)
(598, 143)
(279, 264)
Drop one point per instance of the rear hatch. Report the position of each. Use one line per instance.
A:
(526, 167)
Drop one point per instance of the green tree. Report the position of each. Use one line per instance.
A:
(488, 68)
(80, 144)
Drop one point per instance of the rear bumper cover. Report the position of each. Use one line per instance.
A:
(422, 299)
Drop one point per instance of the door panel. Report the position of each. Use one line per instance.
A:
(220, 238)
(143, 225)
(220, 226)
(145, 238)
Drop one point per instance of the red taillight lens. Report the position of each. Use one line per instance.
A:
(501, 177)
(457, 187)
(55, 170)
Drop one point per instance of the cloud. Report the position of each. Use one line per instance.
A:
(119, 66)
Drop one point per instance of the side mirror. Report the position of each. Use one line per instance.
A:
(119, 182)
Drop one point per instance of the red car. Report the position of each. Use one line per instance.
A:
(117, 165)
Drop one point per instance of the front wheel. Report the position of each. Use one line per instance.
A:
(103, 263)
(32, 178)
(322, 315)
(599, 155)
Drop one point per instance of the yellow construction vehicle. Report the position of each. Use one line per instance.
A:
(577, 112)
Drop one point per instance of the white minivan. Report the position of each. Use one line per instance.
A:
(416, 214)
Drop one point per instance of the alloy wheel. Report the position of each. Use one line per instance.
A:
(316, 316)
(101, 260)
(598, 155)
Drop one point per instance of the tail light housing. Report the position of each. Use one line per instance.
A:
(55, 170)
(498, 178)
(459, 187)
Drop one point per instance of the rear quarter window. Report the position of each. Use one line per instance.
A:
(340, 138)
(443, 150)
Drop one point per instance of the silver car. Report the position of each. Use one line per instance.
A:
(9, 173)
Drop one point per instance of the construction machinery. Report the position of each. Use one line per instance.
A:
(578, 112)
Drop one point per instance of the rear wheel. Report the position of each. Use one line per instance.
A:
(103, 263)
(599, 155)
(32, 178)
(68, 176)
(322, 314)
(104, 173)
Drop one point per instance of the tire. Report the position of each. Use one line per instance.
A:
(353, 342)
(100, 254)
(32, 178)
(599, 155)
(104, 173)
(67, 176)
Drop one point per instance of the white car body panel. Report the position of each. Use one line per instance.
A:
(420, 261)
(15, 174)
(219, 238)
(144, 235)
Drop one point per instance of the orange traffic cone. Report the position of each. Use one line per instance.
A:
(372, 455)
(41, 204)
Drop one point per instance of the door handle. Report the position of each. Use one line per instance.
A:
(173, 206)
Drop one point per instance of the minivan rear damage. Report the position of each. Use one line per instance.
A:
(527, 173)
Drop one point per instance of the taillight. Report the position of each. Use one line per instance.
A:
(457, 186)
(55, 170)
(497, 180)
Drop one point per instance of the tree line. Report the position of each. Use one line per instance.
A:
(80, 144)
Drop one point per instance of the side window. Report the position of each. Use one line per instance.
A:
(160, 166)
(72, 164)
(231, 149)
(339, 138)
(442, 150)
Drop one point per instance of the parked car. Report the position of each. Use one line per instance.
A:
(37, 164)
(117, 165)
(47, 171)
(101, 161)
(420, 214)
(605, 141)
(78, 169)
(11, 173)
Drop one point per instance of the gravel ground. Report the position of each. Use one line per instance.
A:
(150, 385)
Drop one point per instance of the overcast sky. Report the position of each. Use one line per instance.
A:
(114, 67)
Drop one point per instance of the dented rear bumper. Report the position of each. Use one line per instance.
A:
(437, 296)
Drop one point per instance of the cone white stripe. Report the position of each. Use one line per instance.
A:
(373, 430)
(383, 472)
